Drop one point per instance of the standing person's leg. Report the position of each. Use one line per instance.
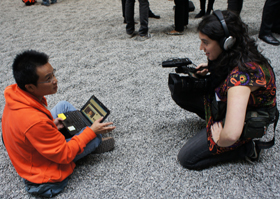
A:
(276, 24)
(179, 15)
(186, 13)
(195, 153)
(210, 6)
(270, 11)
(129, 16)
(144, 17)
(235, 6)
(123, 10)
(202, 9)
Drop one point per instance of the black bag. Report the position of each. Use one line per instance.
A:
(256, 122)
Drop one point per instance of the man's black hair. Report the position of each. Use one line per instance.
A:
(24, 67)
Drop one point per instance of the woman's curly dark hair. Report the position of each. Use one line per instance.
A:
(244, 49)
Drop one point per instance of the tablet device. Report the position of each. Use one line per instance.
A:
(75, 121)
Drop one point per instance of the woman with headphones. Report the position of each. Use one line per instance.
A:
(241, 78)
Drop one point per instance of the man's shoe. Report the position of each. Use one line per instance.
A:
(132, 34)
(107, 144)
(152, 15)
(144, 37)
(174, 32)
(270, 39)
(53, 1)
(200, 14)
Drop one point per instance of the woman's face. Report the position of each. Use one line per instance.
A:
(211, 47)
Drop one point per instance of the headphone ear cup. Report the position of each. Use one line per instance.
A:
(222, 42)
(228, 42)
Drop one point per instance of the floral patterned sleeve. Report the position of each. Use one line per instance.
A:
(256, 78)
(262, 77)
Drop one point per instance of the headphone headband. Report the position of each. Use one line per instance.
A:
(228, 41)
(220, 16)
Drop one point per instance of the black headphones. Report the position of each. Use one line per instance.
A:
(228, 41)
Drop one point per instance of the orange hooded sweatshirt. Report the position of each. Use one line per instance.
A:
(36, 148)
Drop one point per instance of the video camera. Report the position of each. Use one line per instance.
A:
(183, 65)
(181, 85)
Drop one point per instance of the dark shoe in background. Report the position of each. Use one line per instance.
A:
(144, 37)
(174, 32)
(46, 3)
(134, 33)
(152, 15)
(270, 39)
(200, 14)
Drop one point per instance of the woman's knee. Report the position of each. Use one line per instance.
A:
(194, 151)
(185, 161)
(184, 158)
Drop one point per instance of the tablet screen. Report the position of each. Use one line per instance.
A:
(94, 109)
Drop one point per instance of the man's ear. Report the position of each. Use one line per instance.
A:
(30, 88)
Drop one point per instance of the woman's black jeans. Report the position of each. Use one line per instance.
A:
(195, 153)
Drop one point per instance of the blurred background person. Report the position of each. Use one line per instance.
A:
(270, 22)
(181, 17)
(202, 8)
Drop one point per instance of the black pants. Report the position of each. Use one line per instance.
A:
(209, 6)
(195, 153)
(235, 6)
(123, 9)
(181, 17)
(270, 17)
(144, 16)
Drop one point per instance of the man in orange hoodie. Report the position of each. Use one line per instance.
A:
(38, 150)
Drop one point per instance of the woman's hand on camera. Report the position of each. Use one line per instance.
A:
(102, 128)
(204, 71)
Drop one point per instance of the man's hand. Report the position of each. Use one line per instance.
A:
(58, 123)
(102, 128)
